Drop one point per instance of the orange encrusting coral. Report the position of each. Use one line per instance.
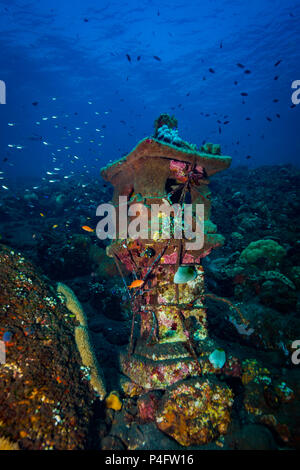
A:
(113, 401)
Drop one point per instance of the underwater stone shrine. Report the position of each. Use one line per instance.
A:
(173, 351)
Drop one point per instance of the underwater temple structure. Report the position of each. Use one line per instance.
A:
(171, 314)
(173, 349)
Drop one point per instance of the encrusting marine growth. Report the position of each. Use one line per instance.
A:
(174, 342)
(83, 340)
(45, 394)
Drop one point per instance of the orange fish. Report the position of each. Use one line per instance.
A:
(135, 284)
(87, 228)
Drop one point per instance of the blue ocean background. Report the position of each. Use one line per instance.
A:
(91, 66)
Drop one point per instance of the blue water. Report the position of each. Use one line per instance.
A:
(75, 52)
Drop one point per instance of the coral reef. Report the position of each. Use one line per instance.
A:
(157, 362)
(258, 368)
(45, 398)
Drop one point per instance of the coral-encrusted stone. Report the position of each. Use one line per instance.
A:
(45, 398)
(196, 411)
(147, 405)
(232, 367)
(129, 388)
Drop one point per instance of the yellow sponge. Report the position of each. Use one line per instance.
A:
(113, 401)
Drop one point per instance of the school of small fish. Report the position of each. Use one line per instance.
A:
(73, 145)
(63, 155)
